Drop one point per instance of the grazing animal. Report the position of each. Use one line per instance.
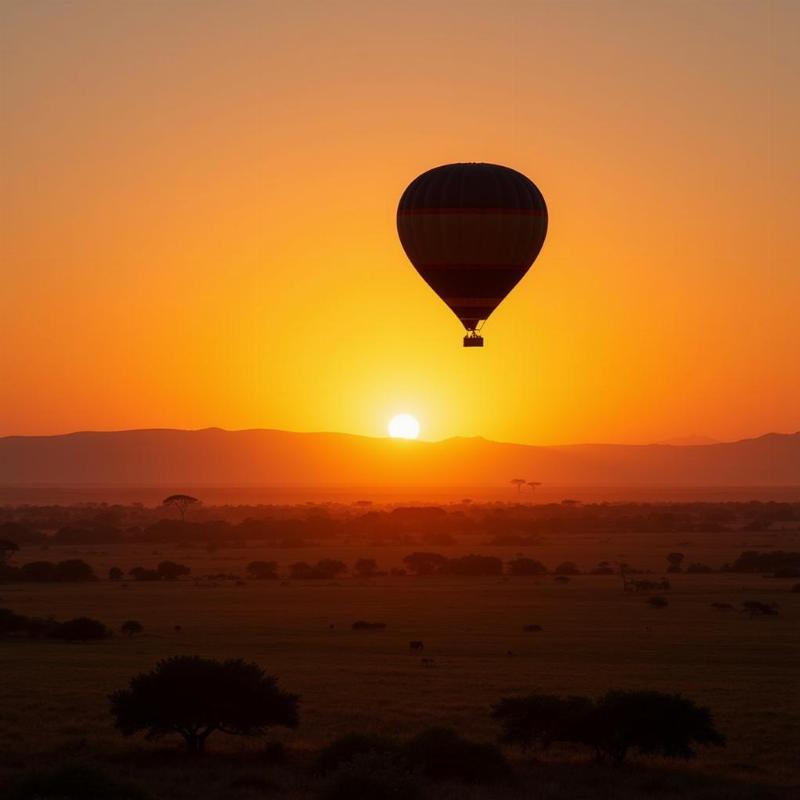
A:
(427, 662)
(416, 646)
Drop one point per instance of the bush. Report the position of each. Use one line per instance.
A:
(658, 601)
(131, 627)
(115, 574)
(374, 776)
(532, 628)
(80, 629)
(755, 608)
(441, 754)
(346, 749)
(195, 696)
(699, 569)
(72, 782)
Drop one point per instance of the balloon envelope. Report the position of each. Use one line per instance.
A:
(472, 231)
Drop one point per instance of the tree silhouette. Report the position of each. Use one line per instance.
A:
(519, 483)
(533, 485)
(181, 502)
(194, 697)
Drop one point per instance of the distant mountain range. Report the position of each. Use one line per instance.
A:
(215, 457)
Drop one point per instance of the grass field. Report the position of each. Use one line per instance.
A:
(595, 637)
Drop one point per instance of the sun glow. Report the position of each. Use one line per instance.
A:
(403, 426)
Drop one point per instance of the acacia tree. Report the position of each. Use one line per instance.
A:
(519, 483)
(181, 502)
(194, 697)
(533, 485)
(651, 723)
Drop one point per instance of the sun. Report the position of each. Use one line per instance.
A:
(403, 426)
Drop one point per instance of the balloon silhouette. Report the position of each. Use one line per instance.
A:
(472, 231)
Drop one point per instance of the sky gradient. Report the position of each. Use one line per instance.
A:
(197, 216)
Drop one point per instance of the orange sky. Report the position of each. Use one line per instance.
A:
(197, 216)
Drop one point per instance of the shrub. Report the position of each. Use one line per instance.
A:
(347, 748)
(442, 754)
(115, 574)
(755, 608)
(374, 776)
(73, 782)
(658, 601)
(131, 627)
(195, 696)
(80, 629)
(532, 628)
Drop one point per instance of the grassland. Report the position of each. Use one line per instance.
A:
(595, 637)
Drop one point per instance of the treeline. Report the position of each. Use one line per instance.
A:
(73, 630)
(193, 698)
(293, 526)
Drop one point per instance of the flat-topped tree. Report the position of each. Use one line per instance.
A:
(194, 697)
(181, 502)
(519, 483)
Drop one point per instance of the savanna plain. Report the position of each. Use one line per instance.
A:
(583, 629)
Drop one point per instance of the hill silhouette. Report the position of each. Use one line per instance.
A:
(283, 459)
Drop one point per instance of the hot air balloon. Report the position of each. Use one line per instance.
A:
(472, 231)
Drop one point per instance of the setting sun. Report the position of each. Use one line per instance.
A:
(403, 426)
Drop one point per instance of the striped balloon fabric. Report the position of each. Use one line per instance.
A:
(472, 231)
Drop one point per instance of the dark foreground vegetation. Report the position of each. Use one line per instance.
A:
(191, 698)
(498, 651)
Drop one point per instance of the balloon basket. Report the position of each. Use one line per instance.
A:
(473, 340)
